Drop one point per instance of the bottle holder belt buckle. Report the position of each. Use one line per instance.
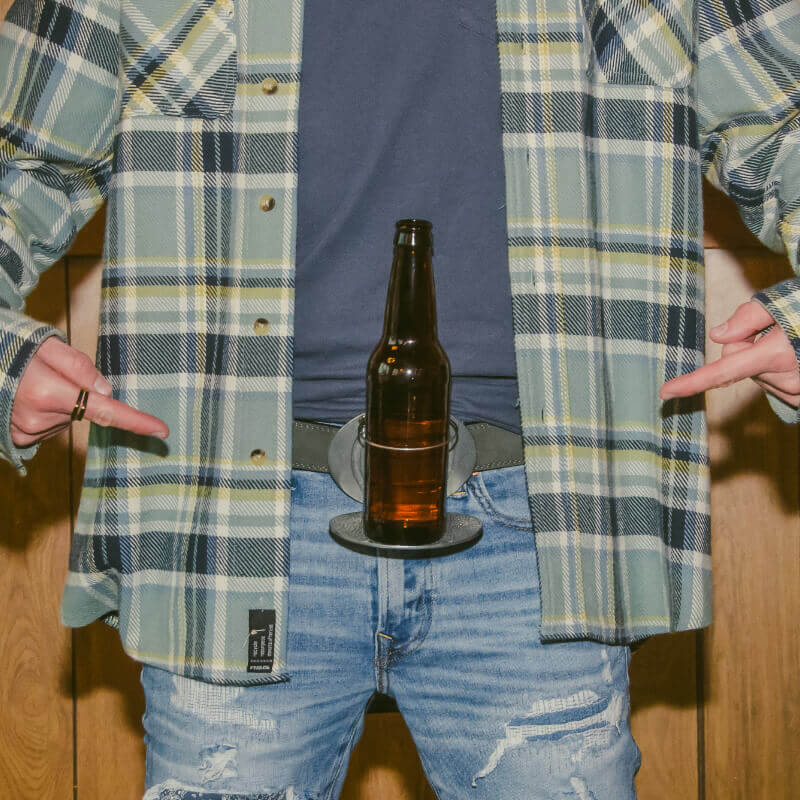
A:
(347, 454)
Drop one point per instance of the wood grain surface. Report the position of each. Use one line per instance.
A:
(35, 650)
(385, 764)
(664, 716)
(752, 695)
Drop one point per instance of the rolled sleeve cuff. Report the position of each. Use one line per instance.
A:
(20, 337)
(782, 301)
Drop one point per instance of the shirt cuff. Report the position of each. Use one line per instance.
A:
(782, 301)
(20, 337)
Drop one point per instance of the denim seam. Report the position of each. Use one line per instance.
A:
(381, 664)
(396, 653)
(478, 490)
(428, 599)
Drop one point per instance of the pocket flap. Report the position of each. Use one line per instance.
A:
(642, 41)
(178, 58)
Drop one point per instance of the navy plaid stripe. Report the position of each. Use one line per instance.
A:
(224, 279)
(166, 150)
(610, 319)
(221, 354)
(204, 555)
(674, 248)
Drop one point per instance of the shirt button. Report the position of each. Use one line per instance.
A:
(261, 326)
(258, 457)
(266, 202)
(269, 86)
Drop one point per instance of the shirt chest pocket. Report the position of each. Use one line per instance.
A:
(178, 57)
(647, 42)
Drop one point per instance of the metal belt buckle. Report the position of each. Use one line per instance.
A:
(346, 456)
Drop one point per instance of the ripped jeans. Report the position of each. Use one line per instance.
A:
(494, 712)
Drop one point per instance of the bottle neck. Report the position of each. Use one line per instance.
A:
(411, 299)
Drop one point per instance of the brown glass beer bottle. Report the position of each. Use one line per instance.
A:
(408, 403)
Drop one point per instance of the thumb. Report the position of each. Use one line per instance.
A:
(74, 365)
(748, 319)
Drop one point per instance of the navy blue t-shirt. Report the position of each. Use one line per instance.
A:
(400, 117)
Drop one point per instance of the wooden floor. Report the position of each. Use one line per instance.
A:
(715, 713)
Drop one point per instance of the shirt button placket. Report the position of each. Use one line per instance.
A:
(258, 457)
(261, 326)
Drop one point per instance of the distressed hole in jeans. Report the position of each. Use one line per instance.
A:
(581, 789)
(221, 705)
(173, 790)
(218, 762)
(584, 714)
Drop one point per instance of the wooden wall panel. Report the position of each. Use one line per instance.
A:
(752, 702)
(664, 716)
(35, 650)
(385, 763)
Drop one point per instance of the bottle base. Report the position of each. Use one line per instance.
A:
(461, 531)
(403, 533)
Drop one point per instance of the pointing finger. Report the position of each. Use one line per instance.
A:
(104, 410)
(108, 412)
(753, 360)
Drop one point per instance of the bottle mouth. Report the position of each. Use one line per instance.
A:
(413, 233)
(413, 225)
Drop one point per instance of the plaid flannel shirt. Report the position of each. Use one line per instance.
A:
(182, 115)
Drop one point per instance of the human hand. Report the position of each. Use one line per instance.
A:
(49, 388)
(769, 360)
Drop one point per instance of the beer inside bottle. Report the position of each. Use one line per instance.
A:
(408, 403)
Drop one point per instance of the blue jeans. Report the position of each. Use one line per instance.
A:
(494, 712)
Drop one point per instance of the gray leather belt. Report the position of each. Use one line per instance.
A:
(495, 447)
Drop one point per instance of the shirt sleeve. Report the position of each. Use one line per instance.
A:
(58, 109)
(749, 120)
